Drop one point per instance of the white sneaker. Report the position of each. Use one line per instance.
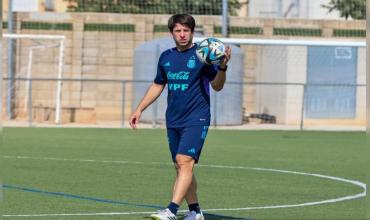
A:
(194, 216)
(164, 214)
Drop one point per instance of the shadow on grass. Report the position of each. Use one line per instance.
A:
(209, 216)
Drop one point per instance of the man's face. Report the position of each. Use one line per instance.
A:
(182, 35)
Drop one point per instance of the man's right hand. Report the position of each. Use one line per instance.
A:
(151, 95)
(134, 119)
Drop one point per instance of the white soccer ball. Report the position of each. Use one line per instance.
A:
(211, 51)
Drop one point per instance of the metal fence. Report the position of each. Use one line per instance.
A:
(271, 104)
(213, 7)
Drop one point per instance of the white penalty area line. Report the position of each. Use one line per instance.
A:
(82, 214)
(334, 200)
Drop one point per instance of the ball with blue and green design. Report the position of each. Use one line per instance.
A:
(211, 51)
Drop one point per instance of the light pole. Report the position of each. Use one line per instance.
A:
(10, 94)
(1, 72)
(225, 23)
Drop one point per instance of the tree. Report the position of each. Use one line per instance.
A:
(355, 9)
(208, 7)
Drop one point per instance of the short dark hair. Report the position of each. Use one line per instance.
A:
(183, 19)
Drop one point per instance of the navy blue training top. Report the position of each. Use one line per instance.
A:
(187, 79)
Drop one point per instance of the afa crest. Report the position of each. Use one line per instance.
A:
(191, 62)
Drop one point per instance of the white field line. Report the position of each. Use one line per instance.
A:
(88, 214)
(82, 214)
(334, 200)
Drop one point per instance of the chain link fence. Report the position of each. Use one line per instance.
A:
(195, 7)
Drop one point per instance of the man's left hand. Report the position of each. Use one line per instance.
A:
(227, 57)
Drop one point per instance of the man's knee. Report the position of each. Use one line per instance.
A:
(184, 162)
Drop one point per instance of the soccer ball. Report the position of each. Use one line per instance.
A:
(211, 51)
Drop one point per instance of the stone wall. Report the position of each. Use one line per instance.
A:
(101, 46)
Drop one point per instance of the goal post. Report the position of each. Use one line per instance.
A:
(40, 43)
(283, 42)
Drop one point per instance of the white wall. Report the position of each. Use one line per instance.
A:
(296, 73)
(313, 10)
(263, 8)
(281, 64)
(361, 79)
(309, 9)
(25, 5)
(272, 67)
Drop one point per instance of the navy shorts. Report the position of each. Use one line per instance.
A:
(187, 140)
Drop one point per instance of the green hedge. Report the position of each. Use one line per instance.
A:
(349, 33)
(240, 30)
(160, 28)
(46, 26)
(298, 32)
(109, 27)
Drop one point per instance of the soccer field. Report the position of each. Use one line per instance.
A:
(80, 173)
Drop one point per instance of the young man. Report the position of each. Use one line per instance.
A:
(188, 111)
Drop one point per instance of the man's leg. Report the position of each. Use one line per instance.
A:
(185, 150)
(191, 196)
(184, 177)
(192, 200)
(191, 143)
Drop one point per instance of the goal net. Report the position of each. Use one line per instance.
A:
(301, 83)
(33, 67)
